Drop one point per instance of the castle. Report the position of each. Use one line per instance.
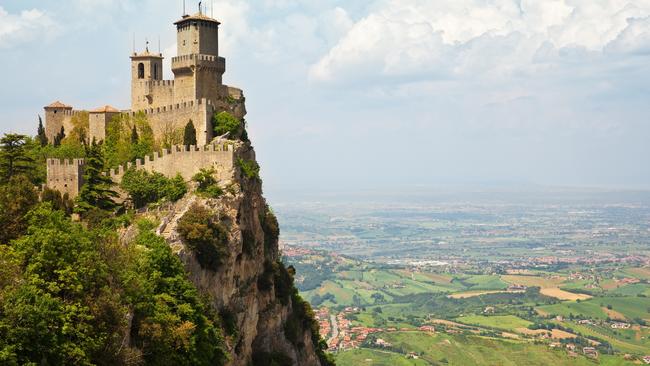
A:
(196, 94)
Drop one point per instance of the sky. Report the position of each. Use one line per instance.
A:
(375, 94)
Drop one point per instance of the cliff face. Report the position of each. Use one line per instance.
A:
(249, 287)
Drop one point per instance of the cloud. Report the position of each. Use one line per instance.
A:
(473, 38)
(25, 27)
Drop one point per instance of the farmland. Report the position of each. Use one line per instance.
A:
(415, 286)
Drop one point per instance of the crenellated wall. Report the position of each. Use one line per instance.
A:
(65, 176)
(184, 160)
(170, 118)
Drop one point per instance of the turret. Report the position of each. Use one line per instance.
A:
(145, 68)
(198, 69)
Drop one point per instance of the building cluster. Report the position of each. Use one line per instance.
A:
(194, 96)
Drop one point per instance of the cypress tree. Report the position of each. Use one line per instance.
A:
(134, 135)
(42, 137)
(189, 135)
(96, 191)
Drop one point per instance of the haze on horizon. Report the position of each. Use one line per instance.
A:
(376, 93)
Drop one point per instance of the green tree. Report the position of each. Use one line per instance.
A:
(96, 191)
(144, 187)
(59, 137)
(225, 122)
(134, 135)
(17, 197)
(205, 235)
(189, 134)
(42, 137)
(13, 157)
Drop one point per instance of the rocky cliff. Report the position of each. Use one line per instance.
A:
(265, 320)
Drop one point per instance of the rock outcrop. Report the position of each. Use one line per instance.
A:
(249, 287)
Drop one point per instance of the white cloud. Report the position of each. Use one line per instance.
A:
(456, 38)
(25, 26)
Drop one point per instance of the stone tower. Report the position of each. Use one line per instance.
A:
(145, 68)
(57, 115)
(198, 69)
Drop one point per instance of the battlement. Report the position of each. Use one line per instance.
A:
(65, 175)
(183, 160)
(187, 61)
(173, 107)
(165, 83)
(69, 112)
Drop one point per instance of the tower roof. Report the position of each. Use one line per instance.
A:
(105, 109)
(197, 16)
(58, 104)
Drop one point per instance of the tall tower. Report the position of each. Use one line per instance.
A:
(145, 68)
(198, 69)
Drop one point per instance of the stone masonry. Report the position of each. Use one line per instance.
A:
(195, 94)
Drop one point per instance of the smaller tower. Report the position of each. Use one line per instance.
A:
(57, 115)
(145, 68)
(99, 120)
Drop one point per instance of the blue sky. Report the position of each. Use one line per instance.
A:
(371, 94)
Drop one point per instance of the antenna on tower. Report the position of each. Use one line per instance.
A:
(134, 43)
(184, 12)
(147, 44)
(211, 8)
(159, 51)
(200, 10)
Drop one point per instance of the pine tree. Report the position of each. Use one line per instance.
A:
(134, 135)
(13, 157)
(96, 191)
(189, 135)
(42, 137)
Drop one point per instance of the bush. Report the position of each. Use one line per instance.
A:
(208, 185)
(225, 122)
(271, 229)
(144, 187)
(205, 236)
(249, 168)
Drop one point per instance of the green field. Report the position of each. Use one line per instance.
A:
(583, 309)
(461, 350)
(505, 322)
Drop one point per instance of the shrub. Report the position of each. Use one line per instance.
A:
(225, 122)
(144, 187)
(271, 229)
(208, 185)
(249, 168)
(204, 235)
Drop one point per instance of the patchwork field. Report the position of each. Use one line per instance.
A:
(505, 322)
(563, 295)
(463, 351)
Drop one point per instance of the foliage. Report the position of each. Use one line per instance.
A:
(127, 139)
(208, 186)
(172, 328)
(205, 235)
(189, 134)
(271, 230)
(40, 132)
(249, 168)
(13, 157)
(17, 197)
(67, 294)
(80, 130)
(59, 137)
(58, 201)
(144, 187)
(96, 191)
(271, 359)
(225, 122)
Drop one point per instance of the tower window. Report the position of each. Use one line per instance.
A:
(140, 70)
(155, 72)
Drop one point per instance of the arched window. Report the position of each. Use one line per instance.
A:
(140, 70)
(155, 71)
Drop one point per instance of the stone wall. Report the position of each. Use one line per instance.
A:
(98, 123)
(55, 118)
(170, 118)
(186, 161)
(65, 176)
